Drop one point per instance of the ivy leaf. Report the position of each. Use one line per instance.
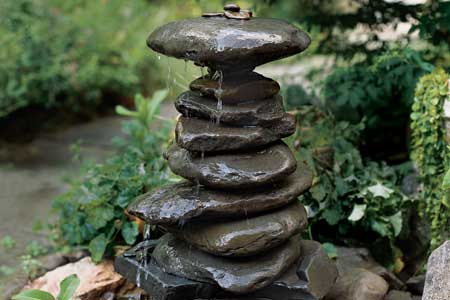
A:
(379, 227)
(357, 212)
(379, 190)
(130, 231)
(99, 216)
(332, 216)
(397, 222)
(97, 247)
(446, 181)
(33, 295)
(68, 287)
(330, 249)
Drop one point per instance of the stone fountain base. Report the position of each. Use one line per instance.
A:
(308, 279)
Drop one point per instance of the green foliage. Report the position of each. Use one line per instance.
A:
(35, 249)
(30, 266)
(430, 150)
(67, 288)
(434, 22)
(8, 242)
(352, 201)
(92, 211)
(381, 92)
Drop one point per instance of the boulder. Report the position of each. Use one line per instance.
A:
(246, 236)
(233, 170)
(205, 136)
(179, 203)
(437, 280)
(358, 284)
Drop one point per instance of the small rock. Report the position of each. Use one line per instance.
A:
(239, 15)
(351, 258)
(232, 7)
(95, 279)
(437, 280)
(245, 237)
(238, 276)
(398, 295)
(234, 170)
(416, 284)
(317, 269)
(181, 202)
(203, 136)
(358, 284)
(237, 88)
(265, 112)
(108, 296)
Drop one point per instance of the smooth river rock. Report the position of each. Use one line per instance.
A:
(237, 87)
(264, 112)
(226, 44)
(247, 236)
(181, 202)
(236, 275)
(205, 136)
(233, 170)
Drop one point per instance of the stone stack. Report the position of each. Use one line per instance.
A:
(234, 224)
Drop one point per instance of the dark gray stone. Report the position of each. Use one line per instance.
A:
(416, 284)
(437, 280)
(264, 112)
(225, 44)
(164, 286)
(247, 236)
(235, 275)
(181, 202)
(317, 269)
(234, 170)
(205, 136)
(236, 87)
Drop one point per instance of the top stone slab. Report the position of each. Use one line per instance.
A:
(229, 44)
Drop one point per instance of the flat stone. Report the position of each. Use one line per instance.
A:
(398, 295)
(227, 44)
(239, 276)
(359, 284)
(437, 280)
(251, 113)
(181, 202)
(316, 269)
(245, 237)
(164, 286)
(247, 169)
(237, 87)
(205, 136)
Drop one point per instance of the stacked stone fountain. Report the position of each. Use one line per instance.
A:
(233, 226)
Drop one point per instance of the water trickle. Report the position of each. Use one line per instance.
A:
(147, 232)
(219, 93)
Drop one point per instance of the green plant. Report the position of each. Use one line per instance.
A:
(67, 287)
(430, 150)
(352, 201)
(30, 266)
(382, 93)
(8, 242)
(91, 213)
(35, 249)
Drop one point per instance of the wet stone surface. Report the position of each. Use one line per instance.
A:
(243, 169)
(235, 275)
(181, 202)
(226, 44)
(237, 87)
(246, 236)
(205, 136)
(264, 113)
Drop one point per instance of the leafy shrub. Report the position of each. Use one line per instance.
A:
(92, 211)
(72, 53)
(382, 93)
(352, 201)
(430, 150)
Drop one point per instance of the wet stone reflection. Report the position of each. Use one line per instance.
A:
(233, 225)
